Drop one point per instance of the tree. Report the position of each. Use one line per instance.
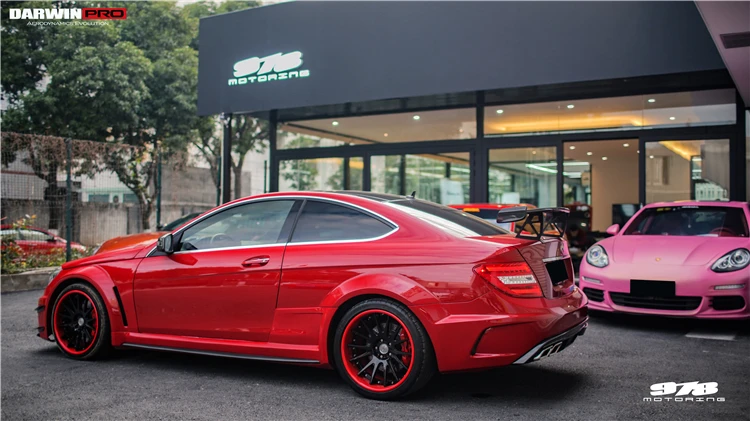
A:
(301, 174)
(95, 88)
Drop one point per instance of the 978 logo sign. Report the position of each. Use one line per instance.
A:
(684, 392)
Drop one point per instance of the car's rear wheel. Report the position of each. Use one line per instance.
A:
(80, 323)
(382, 350)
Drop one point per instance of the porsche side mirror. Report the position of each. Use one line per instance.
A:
(613, 229)
(513, 214)
(165, 244)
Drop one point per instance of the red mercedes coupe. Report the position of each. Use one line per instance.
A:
(388, 290)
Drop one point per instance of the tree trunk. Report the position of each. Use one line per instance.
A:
(238, 177)
(146, 208)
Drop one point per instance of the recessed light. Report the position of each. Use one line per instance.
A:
(460, 130)
(572, 147)
(571, 106)
(651, 100)
(671, 118)
(604, 158)
(502, 128)
(533, 152)
(651, 156)
(385, 134)
(589, 153)
(335, 123)
(416, 117)
(499, 111)
(625, 145)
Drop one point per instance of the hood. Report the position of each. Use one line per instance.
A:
(109, 256)
(127, 241)
(670, 250)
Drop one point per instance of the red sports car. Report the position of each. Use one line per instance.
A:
(386, 289)
(37, 240)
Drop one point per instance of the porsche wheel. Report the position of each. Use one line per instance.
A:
(382, 350)
(80, 323)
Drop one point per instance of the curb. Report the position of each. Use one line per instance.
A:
(33, 279)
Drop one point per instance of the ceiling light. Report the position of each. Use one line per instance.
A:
(589, 153)
(671, 118)
(604, 158)
(572, 147)
(533, 152)
(385, 134)
(502, 128)
(416, 117)
(651, 100)
(499, 111)
(651, 156)
(335, 123)
(571, 106)
(625, 145)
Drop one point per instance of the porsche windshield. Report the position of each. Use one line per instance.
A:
(707, 221)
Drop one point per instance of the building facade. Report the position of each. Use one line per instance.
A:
(604, 106)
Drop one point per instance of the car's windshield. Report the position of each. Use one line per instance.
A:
(708, 221)
(447, 219)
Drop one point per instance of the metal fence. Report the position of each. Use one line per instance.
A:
(56, 191)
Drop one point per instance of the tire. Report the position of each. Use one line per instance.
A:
(80, 323)
(382, 350)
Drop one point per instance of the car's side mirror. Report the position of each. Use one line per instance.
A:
(165, 244)
(613, 229)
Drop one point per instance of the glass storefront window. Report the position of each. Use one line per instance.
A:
(747, 153)
(356, 165)
(618, 113)
(311, 174)
(687, 170)
(523, 175)
(386, 128)
(439, 178)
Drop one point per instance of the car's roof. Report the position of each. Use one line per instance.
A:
(734, 204)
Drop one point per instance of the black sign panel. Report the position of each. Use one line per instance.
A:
(318, 53)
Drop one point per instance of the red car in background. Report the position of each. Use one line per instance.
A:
(371, 284)
(37, 240)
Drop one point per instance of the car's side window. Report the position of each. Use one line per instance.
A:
(9, 234)
(321, 221)
(244, 225)
(32, 235)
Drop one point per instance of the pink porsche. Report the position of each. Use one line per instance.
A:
(674, 259)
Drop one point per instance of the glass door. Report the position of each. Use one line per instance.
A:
(687, 170)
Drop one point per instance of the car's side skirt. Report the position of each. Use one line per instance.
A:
(223, 354)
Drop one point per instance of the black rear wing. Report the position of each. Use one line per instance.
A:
(537, 223)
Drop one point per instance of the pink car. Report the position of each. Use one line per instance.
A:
(674, 259)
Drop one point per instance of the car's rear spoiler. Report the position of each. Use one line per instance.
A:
(537, 223)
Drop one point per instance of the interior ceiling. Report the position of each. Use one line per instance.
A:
(730, 17)
(674, 109)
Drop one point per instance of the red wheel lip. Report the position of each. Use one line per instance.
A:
(56, 329)
(350, 367)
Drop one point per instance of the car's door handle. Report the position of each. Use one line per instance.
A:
(256, 261)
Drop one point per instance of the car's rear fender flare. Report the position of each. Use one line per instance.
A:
(398, 288)
(98, 278)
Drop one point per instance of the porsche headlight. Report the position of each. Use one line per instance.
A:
(734, 260)
(596, 256)
(53, 274)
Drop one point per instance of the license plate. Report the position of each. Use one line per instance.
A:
(663, 289)
(548, 350)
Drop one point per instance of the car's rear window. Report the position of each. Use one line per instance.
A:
(448, 219)
(707, 221)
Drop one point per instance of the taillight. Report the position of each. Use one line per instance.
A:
(515, 278)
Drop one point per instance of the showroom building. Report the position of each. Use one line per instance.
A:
(603, 105)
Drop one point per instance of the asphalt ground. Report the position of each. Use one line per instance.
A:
(604, 375)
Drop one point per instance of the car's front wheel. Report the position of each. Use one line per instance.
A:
(80, 323)
(382, 350)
